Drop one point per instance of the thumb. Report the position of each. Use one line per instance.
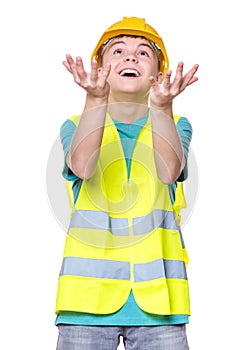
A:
(154, 82)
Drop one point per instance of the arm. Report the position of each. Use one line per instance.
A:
(85, 146)
(66, 134)
(184, 129)
(169, 156)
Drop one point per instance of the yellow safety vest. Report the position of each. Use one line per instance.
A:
(124, 235)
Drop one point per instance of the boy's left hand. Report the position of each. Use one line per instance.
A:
(163, 91)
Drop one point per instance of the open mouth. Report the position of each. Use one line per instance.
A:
(133, 73)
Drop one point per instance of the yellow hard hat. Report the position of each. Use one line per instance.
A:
(133, 26)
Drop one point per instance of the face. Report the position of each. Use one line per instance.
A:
(133, 61)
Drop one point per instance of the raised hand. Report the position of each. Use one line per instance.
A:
(163, 91)
(94, 83)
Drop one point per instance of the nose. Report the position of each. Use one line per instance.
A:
(130, 58)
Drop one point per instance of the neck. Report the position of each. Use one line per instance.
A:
(127, 111)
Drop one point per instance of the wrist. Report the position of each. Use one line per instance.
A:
(166, 109)
(93, 101)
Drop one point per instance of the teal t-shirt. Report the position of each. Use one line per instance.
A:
(130, 314)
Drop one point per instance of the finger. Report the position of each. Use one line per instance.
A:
(79, 62)
(77, 68)
(70, 59)
(71, 67)
(153, 81)
(178, 79)
(94, 70)
(105, 72)
(80, 67)
(179, 70)
(67, 66)
(167, 78)
(68, 63)
(160, 78)
(189, 77)
(193, 80)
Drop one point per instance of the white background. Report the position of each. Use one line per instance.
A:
(37, 95)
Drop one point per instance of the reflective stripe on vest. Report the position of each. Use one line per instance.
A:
(93, 219)
(158, 269)
(97, 268)
(101, 268)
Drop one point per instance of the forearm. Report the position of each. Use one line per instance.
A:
(168, 150)
(169, 156)
(85, 147)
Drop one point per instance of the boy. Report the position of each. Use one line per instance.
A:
(124, 264)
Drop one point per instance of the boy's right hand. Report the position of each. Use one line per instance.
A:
(94, 83)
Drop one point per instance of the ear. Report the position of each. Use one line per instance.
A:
(159, 77)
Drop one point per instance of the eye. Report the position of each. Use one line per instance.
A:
(118, 52)
(143, 53)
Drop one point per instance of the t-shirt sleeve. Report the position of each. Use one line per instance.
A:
(184, 129)
(66, 134)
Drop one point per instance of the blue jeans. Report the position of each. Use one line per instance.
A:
(134, 338)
